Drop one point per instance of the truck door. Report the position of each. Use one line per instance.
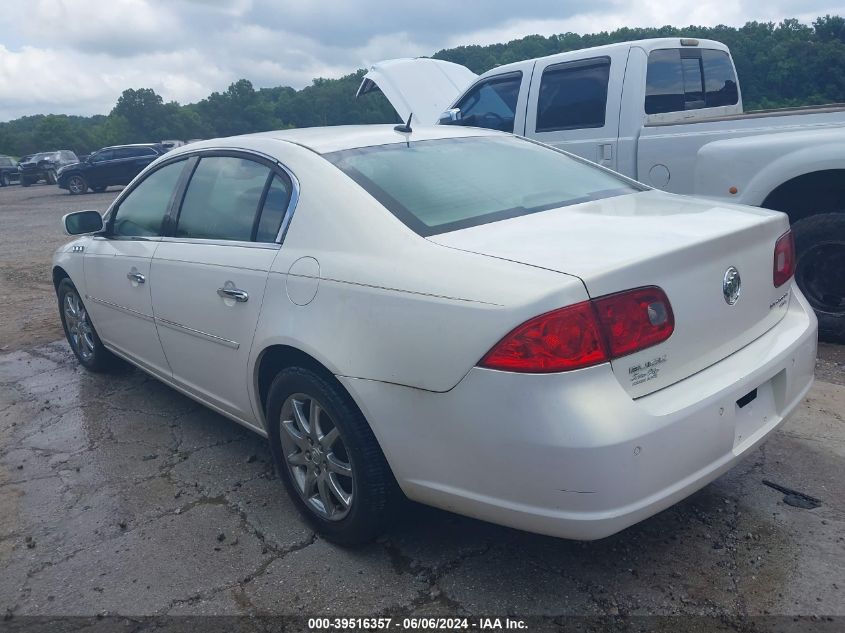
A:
(573, 106)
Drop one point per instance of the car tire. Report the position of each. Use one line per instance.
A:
(820, 246)
(25, 182)
(99, 189)
(51, 177)
(312, 459)
(4, 180)
(77, 185)
(80, 332)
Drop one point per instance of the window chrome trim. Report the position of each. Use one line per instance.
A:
(169, 158)
(218, 242)
(198, 333)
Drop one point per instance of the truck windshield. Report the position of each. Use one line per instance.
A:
(449, 184)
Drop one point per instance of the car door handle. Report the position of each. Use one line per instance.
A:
(136, 277)
(241, 296)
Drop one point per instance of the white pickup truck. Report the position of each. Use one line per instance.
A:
(667, 112)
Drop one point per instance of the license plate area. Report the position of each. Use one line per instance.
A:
(753, 411)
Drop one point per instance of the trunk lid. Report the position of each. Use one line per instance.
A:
(423, 86)
(683, 245)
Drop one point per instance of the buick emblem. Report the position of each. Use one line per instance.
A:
(731, 285)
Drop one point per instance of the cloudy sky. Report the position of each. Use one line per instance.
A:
(77, 56)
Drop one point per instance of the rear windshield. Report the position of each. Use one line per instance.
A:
(450, 184)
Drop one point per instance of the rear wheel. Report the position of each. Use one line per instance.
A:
(51, 177)
(99, 189)
(80, 332)
(25, 182)
(328, 458)
(76, 185)
(4, 180)
(820, 273)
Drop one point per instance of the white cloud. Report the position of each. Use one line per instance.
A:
(77, 56)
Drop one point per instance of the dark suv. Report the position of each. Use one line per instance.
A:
(8, 171)
(116, 165)
(45, 166)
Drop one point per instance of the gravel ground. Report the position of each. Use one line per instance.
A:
(118, 495)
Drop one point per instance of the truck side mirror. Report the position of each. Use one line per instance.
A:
(82, 222)
(452, 115)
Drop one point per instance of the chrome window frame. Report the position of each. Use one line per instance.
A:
(275, 166)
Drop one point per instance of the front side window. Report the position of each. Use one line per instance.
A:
(681, 79)
(573, 95)
(141, 213)
(450, 184)
(491, 104)
(222, 199)
(105, 154)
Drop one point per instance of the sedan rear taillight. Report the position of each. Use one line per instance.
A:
(784, 264)
(585, 334)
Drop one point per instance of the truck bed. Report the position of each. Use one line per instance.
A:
(828, 108)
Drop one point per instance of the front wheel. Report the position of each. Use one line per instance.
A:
(328, 458)
(77, 185)
(820, 243)
(80, 332)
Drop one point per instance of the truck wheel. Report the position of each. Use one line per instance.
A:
(820, 242)
(77, 185)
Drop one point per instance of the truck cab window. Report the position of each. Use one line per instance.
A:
(719, 79)
(573, 95)
(678, 80)
(491, 104)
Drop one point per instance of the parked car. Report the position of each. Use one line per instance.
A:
(44, 166)
(667, 112)
(171, 144)
(116, 165)
(501, 329)
(8, 171)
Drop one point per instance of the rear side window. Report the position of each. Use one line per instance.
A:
(273, 210)
(222, 199)
(680, 79)
(573, 95)
(491, 104)
(142, 212)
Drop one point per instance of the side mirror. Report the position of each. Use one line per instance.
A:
(450, 116)
(82, 222)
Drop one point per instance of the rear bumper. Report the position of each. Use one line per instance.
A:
(572, 455)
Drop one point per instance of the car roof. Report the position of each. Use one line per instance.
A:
(153, 145)
(324, 140)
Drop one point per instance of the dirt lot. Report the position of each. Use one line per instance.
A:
(118, 495)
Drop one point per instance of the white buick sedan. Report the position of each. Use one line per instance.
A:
(481, 322)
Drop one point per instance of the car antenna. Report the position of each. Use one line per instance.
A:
(405, 128)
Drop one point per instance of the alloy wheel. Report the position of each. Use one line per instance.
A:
(79, 329)
(316, 457)
(76, 185)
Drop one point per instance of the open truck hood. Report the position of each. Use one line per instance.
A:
(422, 86)
(683, 245)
